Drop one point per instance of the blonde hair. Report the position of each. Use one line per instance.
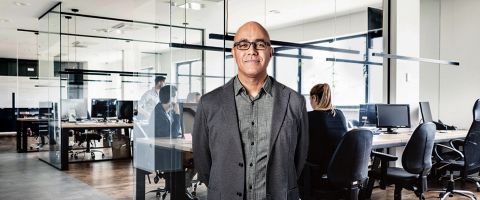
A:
(324, 97)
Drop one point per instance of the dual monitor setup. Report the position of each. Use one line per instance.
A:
(77, 109)
(387, 116)
(395, 116)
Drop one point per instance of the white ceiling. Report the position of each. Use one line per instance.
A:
(239, 11)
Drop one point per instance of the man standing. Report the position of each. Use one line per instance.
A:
(149, 99)
(250, 136)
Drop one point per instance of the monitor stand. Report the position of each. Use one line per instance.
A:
(390, 131)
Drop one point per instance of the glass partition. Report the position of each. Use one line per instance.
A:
(49, 88)
(169, 54)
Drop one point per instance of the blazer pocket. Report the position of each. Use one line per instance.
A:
(213, 194)
(293, 194)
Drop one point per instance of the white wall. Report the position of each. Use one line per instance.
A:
(458, 86)
(429, 48)
(342, 25)
(28, 93)
(405, 33)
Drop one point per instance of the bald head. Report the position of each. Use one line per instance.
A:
(252, 51)
(251, 28)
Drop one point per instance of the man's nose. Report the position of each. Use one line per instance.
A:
(252, 50)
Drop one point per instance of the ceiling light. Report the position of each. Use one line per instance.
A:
(192, 5)
(4, 20)
(18, 3)
(274, 11)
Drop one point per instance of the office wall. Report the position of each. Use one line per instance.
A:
(458, 87)
(430, 48)
(28, 93)
(326, 28)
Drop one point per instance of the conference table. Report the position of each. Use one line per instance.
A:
(185, 145)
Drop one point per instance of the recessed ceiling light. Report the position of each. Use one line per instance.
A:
(274, 11)
(19, 3)
(4, 20)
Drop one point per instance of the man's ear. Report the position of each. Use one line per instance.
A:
(271, 52)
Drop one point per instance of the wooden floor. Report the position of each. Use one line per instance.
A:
(23, 176)
(116, 179)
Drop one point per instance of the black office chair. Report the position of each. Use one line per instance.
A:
(476, 110)
(416, 161)
(469, 162)
(87, 137)
(347, 170)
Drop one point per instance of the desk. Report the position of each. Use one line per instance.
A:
(178, 177)
(401, 139)
(171, 150)
(66, 126)
(39, 126)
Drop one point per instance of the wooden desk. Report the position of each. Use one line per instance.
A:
(401, 139)
(36, 125)
(66, 126)
(379, 141)
(96, 125)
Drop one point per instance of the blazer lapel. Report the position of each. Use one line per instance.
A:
(280, 103)
(229, 109)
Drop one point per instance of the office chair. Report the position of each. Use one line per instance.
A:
(469, 162)
(87, 137)
(416, 161)
(476, 110)
(347, 170)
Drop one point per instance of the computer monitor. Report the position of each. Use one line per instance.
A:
(426, 112)
(367, 115)
(393, 116)
(126, 110)
(47, 110)
(74, 109)
(104, 108)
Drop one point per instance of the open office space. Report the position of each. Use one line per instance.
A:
(98, 98)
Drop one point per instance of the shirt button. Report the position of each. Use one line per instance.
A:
(252, 143)
(239, 194)
(253, 123)
(251, 164)
(240, 164)
(250, 187)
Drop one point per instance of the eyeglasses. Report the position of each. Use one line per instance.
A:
(258, 45)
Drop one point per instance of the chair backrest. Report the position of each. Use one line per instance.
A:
(476, 110)
(326, 132)
(472, 140)
(417, 156)
(350, 160)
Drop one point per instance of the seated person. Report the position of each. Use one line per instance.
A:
(166, 121)
(166, 117)
(327, 126)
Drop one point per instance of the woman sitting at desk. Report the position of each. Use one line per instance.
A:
(327, 126)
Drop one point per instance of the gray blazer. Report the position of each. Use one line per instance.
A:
(217, 147)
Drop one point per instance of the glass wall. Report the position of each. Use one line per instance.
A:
(99, 63)
(49, 87)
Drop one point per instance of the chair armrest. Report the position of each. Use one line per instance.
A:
(446, 147)
(384, 156)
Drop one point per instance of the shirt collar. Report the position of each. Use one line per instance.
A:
(238, 87)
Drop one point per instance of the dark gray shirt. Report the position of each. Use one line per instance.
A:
(254, 120)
